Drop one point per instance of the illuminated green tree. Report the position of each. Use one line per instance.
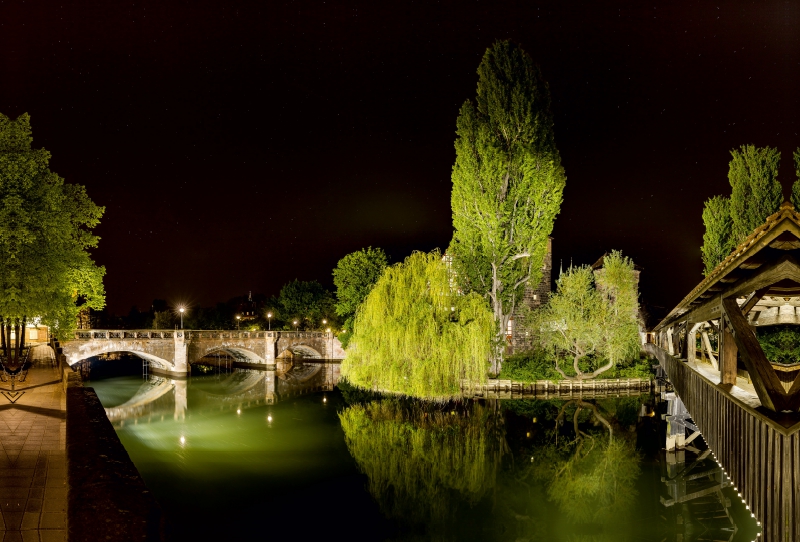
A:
(592, 315)
(45, 237)
(354, 277)
(717, 241)
(756, 192)
(507, 182)
(414, 335)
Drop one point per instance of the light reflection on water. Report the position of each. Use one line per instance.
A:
(238, 456)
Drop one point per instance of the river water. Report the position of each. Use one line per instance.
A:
(235, 455)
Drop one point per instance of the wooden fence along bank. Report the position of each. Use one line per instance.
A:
(758, 454)
(560, 389)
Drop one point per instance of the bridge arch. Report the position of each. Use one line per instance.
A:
(300, 351)
(242, 355)
(153, 360)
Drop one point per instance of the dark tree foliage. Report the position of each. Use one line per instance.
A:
(756, 192)
(354, 277)
(795, 197)
(717, 241)
(46, 225)
(306, 302)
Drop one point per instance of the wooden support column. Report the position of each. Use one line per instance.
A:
(670, 348)
(727, 356)
(691, 342)
(707, 344)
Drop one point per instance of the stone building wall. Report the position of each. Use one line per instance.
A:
(518, 338)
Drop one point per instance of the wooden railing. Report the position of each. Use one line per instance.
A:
(760, 455)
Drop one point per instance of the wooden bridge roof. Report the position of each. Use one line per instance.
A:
(774, 240)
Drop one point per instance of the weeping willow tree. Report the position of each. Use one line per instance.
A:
(416, 336)
(423, 462)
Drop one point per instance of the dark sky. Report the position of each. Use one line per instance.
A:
(239, 145)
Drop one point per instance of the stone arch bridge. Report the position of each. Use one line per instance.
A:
(172, 352)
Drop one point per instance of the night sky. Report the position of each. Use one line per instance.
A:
(239, 145)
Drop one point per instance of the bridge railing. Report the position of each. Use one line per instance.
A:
(94, 334)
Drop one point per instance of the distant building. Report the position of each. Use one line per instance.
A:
(248, 309)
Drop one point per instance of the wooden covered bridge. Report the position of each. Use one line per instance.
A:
(745, 405)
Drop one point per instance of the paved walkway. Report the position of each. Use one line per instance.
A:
(33, 491)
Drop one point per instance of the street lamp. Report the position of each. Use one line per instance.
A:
(269, 321)
(295, 325)
(180, 310)
(237, 322)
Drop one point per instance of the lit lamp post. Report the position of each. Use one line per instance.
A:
(269, 321)
(237, 322)
(180, 310)
(295, 325)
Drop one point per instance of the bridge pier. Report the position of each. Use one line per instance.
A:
(270, 351)
(181, 359)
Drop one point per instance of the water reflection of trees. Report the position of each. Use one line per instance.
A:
(451, 469)
(423, 462)
(445, 471)
(576, 468)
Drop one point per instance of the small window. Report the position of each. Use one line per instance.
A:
(535, 297)
(33, 334)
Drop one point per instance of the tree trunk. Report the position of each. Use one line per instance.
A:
(16, 341)
(3, 335)
(502, 321)
(22, 337)
(8, 340)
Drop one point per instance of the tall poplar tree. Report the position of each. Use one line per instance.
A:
(717, 241)
(507, 182)
(45, 237)
(756, 191)
(795, 197)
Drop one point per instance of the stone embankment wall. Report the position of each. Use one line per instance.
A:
(562, 389)
(106, 497)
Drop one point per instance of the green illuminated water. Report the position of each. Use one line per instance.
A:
(352, 466)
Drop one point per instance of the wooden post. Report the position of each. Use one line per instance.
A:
(707, 343)
(691, 342)
(727, 357)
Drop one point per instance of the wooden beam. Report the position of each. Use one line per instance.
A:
(766, 383)
(754, 298)
(691, 342)
(785, 268)
(707, 343)
(728, 356)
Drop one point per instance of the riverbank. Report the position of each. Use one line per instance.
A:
(106, 498)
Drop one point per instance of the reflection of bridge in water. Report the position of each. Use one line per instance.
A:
(162, 397)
